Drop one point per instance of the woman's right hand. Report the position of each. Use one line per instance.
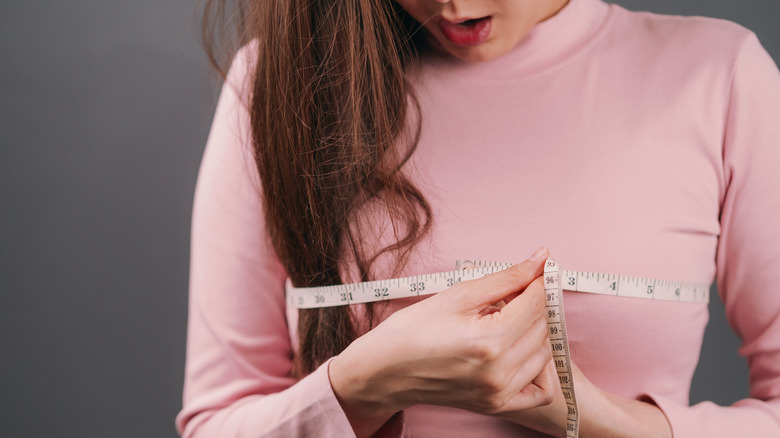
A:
(457, 349)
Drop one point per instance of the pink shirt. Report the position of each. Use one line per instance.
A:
(628, 143)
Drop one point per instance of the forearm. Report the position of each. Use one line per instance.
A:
(307, 408)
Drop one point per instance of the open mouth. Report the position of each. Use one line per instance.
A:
(472, 22)
(466, 33)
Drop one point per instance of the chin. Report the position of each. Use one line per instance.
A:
(476, 55)
(481, 53)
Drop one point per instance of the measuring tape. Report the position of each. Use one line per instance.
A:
(556, 329)
(556, 280)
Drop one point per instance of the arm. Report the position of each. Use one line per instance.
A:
(748, 258)
(238, 354)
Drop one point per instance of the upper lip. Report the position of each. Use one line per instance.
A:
(461, 19)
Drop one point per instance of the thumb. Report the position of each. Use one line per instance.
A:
(495, 287)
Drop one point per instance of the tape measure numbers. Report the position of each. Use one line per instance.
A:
(575, 281)
(559, 342)
(556, 280)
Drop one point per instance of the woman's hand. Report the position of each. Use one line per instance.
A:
(602, 415)
(460, 348)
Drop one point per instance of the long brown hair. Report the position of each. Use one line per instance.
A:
(332, 127)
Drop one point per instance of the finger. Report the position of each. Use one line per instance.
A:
(526, 307)
(535, 384)
(495, 287)
(526, 343)
(519, 363)
(542, 391)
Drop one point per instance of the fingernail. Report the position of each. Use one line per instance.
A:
(538, 254)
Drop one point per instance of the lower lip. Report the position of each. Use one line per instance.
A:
(466, 35)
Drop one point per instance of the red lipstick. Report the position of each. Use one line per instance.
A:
(466, 33)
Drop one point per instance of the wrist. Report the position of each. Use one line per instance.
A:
(613, 416)
(365, 404)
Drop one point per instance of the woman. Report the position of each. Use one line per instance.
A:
(358, 140)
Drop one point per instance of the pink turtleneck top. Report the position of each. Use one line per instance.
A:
(628, 143)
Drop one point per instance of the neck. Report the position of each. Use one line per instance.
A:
(555, 7)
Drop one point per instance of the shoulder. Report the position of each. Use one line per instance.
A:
(240, 76)
(686, 40)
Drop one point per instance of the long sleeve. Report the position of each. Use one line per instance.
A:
(748, 257)
(237, 380)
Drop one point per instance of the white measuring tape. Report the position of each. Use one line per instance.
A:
(556, 280)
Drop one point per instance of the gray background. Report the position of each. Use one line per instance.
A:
(104, 112)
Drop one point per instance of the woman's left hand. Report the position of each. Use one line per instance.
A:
(602, 414)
